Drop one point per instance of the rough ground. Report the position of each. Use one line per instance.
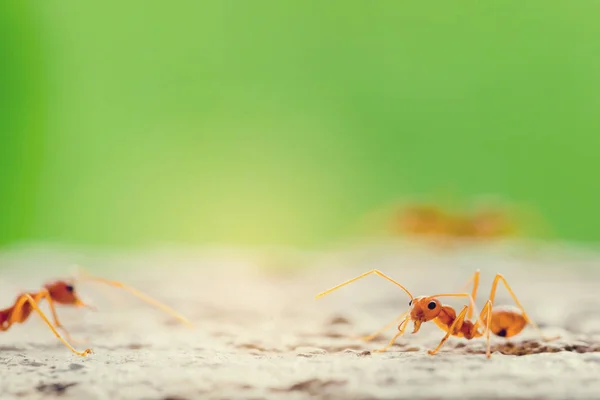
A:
(261, 335)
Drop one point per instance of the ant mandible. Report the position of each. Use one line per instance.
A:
(502, 321)
(63, 292)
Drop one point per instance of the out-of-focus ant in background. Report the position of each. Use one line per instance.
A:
(427, 220)
(488, 221)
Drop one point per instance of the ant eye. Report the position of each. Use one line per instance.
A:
(432, 305)
(410, 303)
(70, 288)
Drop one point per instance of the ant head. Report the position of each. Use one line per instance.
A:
(423, 309)
(64, 293)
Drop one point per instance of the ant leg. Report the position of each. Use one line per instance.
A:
(500, 277)
(455, 325)
(27, 299)
(385, 328)
(486, 315)
(142, 296)
(475, 280)
(374, 271)
(488, 330)
(401, 328)
(44, 294)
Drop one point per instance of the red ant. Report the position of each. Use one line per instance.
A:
(63, 292)
(502, 321)
(430, 221)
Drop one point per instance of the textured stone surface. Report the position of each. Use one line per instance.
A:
(260, 334)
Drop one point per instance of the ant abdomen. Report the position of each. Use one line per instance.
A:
(507, 321)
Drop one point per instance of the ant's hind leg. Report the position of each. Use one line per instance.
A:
(500, 277)
(456, 324)
(486, 314)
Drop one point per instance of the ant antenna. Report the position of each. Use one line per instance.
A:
(374, 271)
(87, 277)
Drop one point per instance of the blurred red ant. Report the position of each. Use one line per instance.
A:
(430, 221)
(502, 321)
(63, 292)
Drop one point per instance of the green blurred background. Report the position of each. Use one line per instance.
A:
(286, 122)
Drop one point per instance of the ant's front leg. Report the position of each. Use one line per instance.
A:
(45, 294)
(455, 325)
(401, 329)
(385, 328)
(17, 314)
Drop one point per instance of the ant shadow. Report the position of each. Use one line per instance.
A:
(529, 347)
